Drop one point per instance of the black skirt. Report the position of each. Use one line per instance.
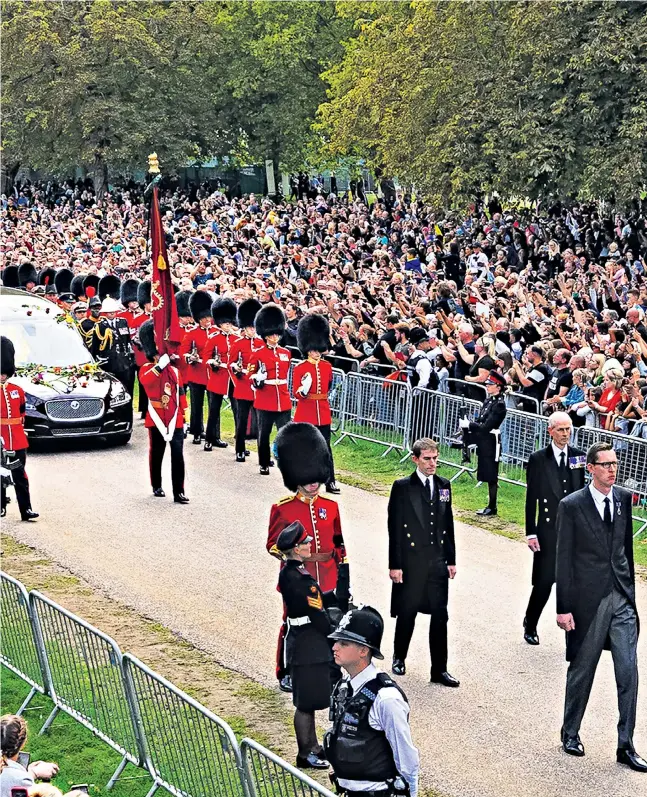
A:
(312, 685)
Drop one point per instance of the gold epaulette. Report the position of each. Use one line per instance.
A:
(285, 500)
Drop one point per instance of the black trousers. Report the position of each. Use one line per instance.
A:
(213, 421)
(538, 599)
(20, 483)
(157, 447)
(197, 392)
(243, 408)
(404, 626)
(143, 399)
(325, 431)
(266, 420)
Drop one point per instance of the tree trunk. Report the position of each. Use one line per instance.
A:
(8, 177)
(100, 175)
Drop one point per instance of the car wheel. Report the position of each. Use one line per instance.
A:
(121, 439)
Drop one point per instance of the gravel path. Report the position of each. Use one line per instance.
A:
(202, 570)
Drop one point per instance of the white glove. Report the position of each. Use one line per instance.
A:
(464, 423)
(260, 376)
(306, 384)
(213, 363)
(163, 361)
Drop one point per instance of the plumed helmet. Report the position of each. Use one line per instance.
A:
(364, 626)
(63, 280)
(90, 284)
(76, 286)
(223, 311)
(182, 303)
(147, 339)
(7, 357)
(10, 277)
(110, 285)
(313, 334)
(200, 305)
(247, 312)
(26, 274)
(128, 291)
(270, 320)
(47, 277)
(302, 455)
(144, 293)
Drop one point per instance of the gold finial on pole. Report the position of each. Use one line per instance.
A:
(153, 164)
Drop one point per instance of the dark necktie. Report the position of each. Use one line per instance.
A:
(562, 463)
(607, 514)
(427, 490)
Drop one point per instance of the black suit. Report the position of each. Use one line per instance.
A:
(595, 583)
(421, 544)
(546, 487)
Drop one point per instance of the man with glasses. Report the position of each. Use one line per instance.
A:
(596, 603)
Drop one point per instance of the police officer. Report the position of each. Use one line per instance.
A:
(308, 649)
(485, 432)
(369, 745)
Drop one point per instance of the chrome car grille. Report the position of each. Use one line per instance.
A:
(83, 409)
(76, 432)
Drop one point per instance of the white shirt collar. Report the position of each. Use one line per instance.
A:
(363, 677)
(424, 478)
(599, 497)
(558, 452)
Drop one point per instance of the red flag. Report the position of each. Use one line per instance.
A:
(168, 334)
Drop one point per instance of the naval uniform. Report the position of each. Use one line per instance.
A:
(111, 345)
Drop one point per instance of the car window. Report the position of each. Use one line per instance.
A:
(45, 342)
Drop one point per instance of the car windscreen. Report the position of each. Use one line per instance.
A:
(45, 342)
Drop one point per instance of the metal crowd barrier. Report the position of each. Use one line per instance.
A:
(267, 775)
(377, 410)
(521, 434)
(188, 750)
(19, 651)
(86, 681)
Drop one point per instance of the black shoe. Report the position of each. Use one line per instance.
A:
(272, 463)
(240, 457)
(180, 498)
(445, 679)
(631, 759)
(220, 444)
(530, 634)
(208, 447)
(285, 683)
(197, 439)
(398, 667)
(331, 487)
(572, 745)
(487, 512)
(265, 471)
(465, 459)
(159, 493)
(247, 452)
(29, 515)
(311, 761)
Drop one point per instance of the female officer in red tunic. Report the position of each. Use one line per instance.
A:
(12, 429)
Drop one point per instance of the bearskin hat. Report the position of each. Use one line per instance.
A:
(26, 274)
(247, 312)
(63, 280)
(47, 277)
(144, 293)
(110, 285)
(10, 277)
(270, 320)
(182, 299)
(7, 357)
(128, 291)
(76, 286)
(90, 283)
(223, 311)
(302, 455)
(147, 339)
(313, 334)
(200, 305)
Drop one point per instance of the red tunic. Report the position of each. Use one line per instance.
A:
(135, 318)
(12, 417)
(320, 518)
(194, 340)
(242, 353)
(274, 395)
(165, 391)
(218, 347)
(314, 407)
(181, 364)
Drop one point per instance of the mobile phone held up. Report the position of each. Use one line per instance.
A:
(80, 787)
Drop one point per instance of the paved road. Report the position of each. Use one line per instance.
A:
(202, 570)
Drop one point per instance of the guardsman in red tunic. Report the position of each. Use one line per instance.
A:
(304, 464)
(242, 354)
(187, 324)
(12, 429)
(167, 405)
(269, 371)
(190, 348)
(311, 380)
(216, 353)
(135, 296)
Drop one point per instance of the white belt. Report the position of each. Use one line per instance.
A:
(276, 381)
(497, 437)
(295, 621)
